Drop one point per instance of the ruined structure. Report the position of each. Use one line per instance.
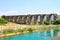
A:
(27, 19)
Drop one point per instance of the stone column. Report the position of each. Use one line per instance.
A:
(25, 19)
(35, 19)
(15, 19)
(41, 19)
(22, 17)
(48, 18)
(10, 19)
(29, 17)
(55, 17)
(18, 19)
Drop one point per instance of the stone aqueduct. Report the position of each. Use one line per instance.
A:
(27, 19)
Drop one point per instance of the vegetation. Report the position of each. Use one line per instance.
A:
(30, 29)
(3, 16)
(56, 22)
(19, 30)
(3, 21)
(46, 22)
(7, 31)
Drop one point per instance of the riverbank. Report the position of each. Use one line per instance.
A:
(25, 28)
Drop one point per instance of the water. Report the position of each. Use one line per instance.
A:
(41, 35)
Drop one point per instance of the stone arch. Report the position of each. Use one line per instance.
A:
(29, 18)
(54, 15)
(35, 19)
(42, 18)
(50, 16)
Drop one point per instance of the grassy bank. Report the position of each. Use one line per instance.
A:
(22, 29)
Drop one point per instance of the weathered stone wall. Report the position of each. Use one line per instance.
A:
(27, 19)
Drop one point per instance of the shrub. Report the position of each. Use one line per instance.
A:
(7, 31)
(46, 22)
(25, 29)
(20, 30)
(3, 16)
(56, 22)
(3, 21)
(30, 29)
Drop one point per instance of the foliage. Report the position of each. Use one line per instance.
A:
(56, 22)
(46, 22)
(3, 21)
(20, 30)
(7, 31)
(25, 29)
(30, 29)
(3, 16)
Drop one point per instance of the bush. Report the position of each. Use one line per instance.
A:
(7, 31)
(25, 29)
(56, 22)
(20, 30)
(3, 21)
(46, 22)
(30, 29)
(3, 16)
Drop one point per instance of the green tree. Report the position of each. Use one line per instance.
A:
(3, 16)
(3, 21)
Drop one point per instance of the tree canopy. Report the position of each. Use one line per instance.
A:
(3, 21)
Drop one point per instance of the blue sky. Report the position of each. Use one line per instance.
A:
(15, 7)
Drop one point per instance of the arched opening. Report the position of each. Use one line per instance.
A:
(45, 18)
(13, 19)
(32, 19)
(8, 18)
(38, 20)
(52, 18)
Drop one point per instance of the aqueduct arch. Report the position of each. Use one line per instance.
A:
(27, 19)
